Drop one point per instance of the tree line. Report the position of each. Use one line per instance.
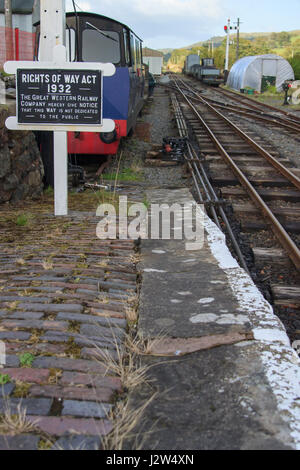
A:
(285, 44)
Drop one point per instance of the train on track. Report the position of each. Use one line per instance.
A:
(203, 70)
(95, 38)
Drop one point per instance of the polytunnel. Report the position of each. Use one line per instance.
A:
(259, 71)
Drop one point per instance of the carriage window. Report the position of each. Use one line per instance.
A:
(138, 53)
(141, 49)
(98, 48)
(127, 48)
(132, 49)
(70, 44)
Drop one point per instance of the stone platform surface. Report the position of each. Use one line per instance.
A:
(63, 298)
(243, 395)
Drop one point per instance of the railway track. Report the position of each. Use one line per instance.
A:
(231, 102)
(258, 184)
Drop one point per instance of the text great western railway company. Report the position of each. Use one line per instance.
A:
(59, 96)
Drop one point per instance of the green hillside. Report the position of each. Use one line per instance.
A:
(286, 44)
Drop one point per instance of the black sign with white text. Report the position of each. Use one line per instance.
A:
(59, 96)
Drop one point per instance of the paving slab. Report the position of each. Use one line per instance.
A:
(21, 442)
(236, 396)
(67, 392)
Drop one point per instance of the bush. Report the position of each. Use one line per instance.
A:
(272, 89)
(295, 63)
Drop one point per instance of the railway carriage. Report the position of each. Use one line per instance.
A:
(208, 73)
(203, 70)
(95, 38)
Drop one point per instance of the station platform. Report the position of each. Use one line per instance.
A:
(223, 371)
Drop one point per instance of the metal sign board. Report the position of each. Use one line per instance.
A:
(59, 96)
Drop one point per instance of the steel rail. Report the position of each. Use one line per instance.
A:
(275, 163)
(205, 183)
(254, 105)
(252, 112)
(282, 121)
(248, 113)
(294, 125)
(279, 231)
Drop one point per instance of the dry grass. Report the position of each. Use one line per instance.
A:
(103, 263)
(20, 262)
(137, 167)
(142, 346)
(131, 314)
(12, 306)
(124, 365)
(125, 419)
(103, 298)
(15, 423)
(135, 259)
(54, 376)
(132, 309)
(47, 265)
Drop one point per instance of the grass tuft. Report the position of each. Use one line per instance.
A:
(47, 265)
(4, 379)
(124, 365)
(125, 418)
(26, 359)
(15, 423)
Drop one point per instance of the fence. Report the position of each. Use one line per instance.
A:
(15, 45)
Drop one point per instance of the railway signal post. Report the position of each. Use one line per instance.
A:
(238, 38)
(227, 30)
(60, 96)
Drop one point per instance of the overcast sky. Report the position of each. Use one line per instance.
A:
(178, 23)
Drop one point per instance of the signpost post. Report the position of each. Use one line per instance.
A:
(59, 96)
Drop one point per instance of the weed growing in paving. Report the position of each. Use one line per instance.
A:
(22, 220)
(26, 359)
(21, 390)
(146, 202)
(4, 379)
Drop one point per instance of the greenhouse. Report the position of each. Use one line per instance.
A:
(259, 72)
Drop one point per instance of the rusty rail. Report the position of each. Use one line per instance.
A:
(280, 233)
(275, 163)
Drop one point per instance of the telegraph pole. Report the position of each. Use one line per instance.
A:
(8, 30)
(8, 13)
(238, 39)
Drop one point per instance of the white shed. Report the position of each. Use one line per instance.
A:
(22, 14)
(154, 59)
(256, 71)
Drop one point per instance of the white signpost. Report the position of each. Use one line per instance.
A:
(59, 96)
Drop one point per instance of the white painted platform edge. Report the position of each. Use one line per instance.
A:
(281, 363)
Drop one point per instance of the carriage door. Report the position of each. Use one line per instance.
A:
(139, 69)
(133, 75)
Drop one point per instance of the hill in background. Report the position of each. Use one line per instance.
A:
(286, 44)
